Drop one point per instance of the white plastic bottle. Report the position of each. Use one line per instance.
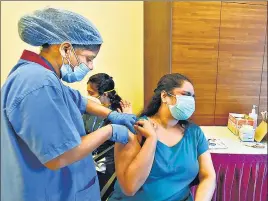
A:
(254, 116)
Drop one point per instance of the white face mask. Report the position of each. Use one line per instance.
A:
(70, 75)
(184, 107)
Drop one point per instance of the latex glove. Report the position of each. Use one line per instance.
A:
(127, 120)
(119, 134)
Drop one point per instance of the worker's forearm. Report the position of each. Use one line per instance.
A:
(205, 189)
(97, 109)
(88, 144)
(143, 161)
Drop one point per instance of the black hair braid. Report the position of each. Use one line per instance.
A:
(115, 100)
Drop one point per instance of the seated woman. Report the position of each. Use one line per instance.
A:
(160, 162)
(100, 88)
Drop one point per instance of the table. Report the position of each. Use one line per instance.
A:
(241, 171)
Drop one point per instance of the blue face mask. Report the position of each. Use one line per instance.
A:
(184, 107)
(70, 75)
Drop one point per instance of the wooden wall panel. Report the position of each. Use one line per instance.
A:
(263, 93)
(241, 50)
(195, 37)
(157, 37)
(250, 2)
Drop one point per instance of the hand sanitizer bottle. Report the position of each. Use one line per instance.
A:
(254, 116)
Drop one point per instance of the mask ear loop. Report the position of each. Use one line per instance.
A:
(173, 96)
(62, 58)
(76, 57)
(109, 91)
(165, 102)
(66, 57)
(69, 62)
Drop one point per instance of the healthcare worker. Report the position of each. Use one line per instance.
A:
(45, 152)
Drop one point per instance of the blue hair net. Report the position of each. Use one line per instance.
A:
(54, 26)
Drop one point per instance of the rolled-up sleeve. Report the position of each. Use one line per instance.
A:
(43, 121)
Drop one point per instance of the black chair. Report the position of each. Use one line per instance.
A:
(108, 188)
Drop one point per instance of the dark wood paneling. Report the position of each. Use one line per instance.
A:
(250, 2)
(263, 94)
(195, 38)
(241, 50)
(157, 33)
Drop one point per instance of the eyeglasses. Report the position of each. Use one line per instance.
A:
(182, 94)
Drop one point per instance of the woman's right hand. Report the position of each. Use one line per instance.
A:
(126, 107)
(145, 128)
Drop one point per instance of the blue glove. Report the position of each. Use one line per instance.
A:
(119, 134)
(127, 120)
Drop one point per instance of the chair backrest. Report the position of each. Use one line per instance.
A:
(108, 185)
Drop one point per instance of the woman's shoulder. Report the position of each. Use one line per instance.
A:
(193, 126)
(129, 149)
(194, 130)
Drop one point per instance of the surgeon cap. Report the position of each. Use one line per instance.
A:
(55, 26)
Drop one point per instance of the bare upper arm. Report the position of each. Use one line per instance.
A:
(206, 168)
(124, 155)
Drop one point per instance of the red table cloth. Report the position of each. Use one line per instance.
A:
(240, 177)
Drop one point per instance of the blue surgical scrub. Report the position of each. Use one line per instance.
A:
(174, 168)
(40, 120)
